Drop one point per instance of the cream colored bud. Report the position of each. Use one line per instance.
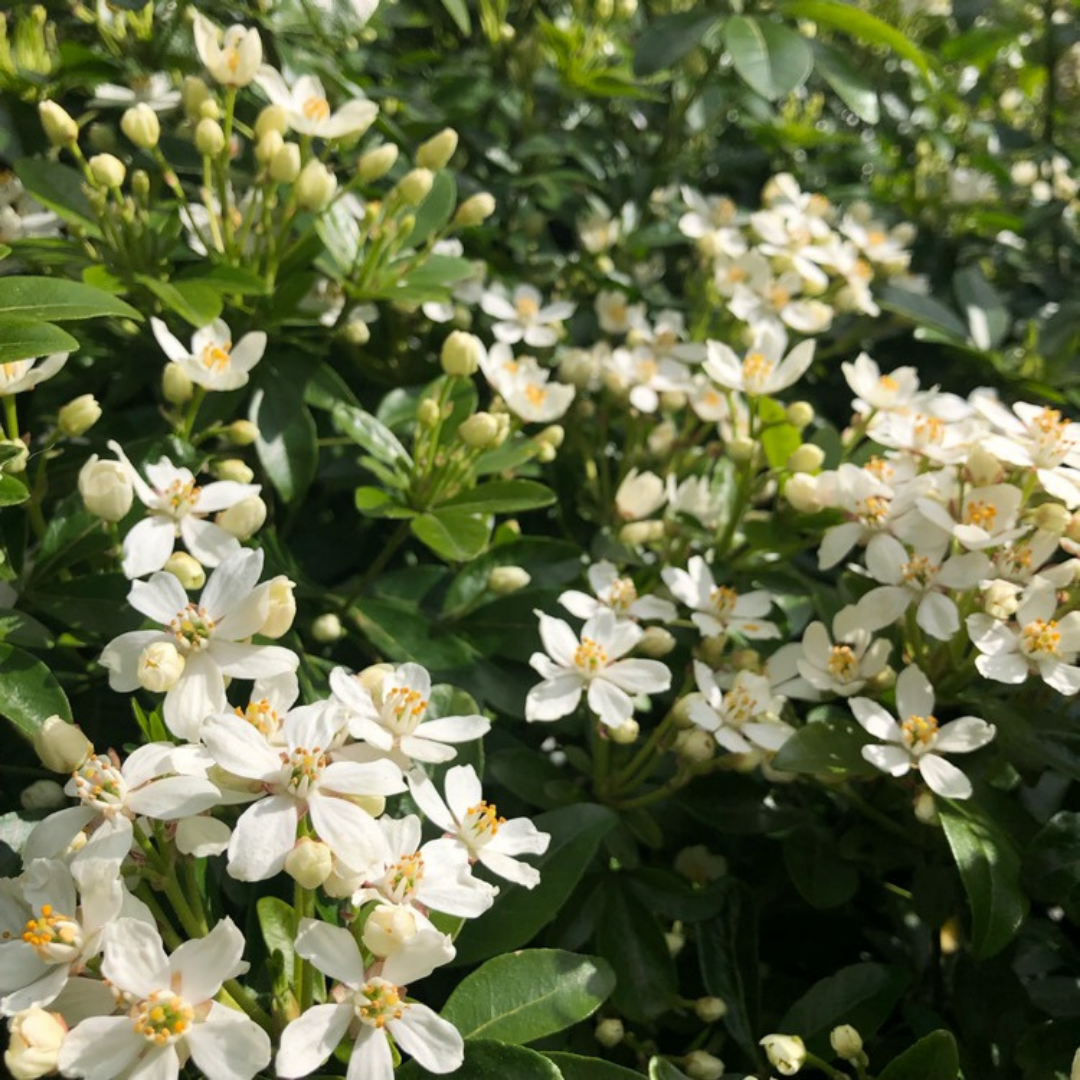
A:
(272, 119)
(34, 1041)
(79, 415)
(243, 519)
(140, 184)
(428, 413)
(1074, 1072)
(372, 678)
(62, 747)
(193, 93)
(925, 809)
(475, 210)
(282, 608)
(480, 431)
(641, 532)
(786, 1053)
(675, 939)
(356, 332)
(388, 928)
(413, 188)
(746, 660)
(60, 129)
(846, 1042)
(555, 435)
(656, 642)
(284, 165)
(983, 468)
(269, 145)
(186, 569)
(242, 432)
(610, 1032)
(209, 138)
(807, 459)
(108, 171)
(680, 711)
(309, 863)
(376, 163)
(233, 469)
(141, 125)
(315, 186)
(662, 438)
(504, 580)
(17, 462)
(710, 1009)
(461, 354)
(626, 733)
(1053, 518)
(700, 865)
(701, 1065)
(741, 449)
(106, 488)
(209, 110)
(801, 491)
(712, 649)
(695, 746)
(438, 150)
(327, 629)
(1001, 599)
(545, 453)
(800, 414)
(160, 667)
(639, 495)
(176, 385)
(672, 401)
(42, 795)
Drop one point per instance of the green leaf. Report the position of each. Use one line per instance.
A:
(518, 913)
(12, 490)
(988, 318)
(990, 870)
(226, 279)
(850, 86)
(458, 10)
(287, 444)
(772, 59)
(922, 310)
(576, 1067)
(56, 300)
(832, 747)
(667, 40)
(435, 211)
(522, 996)
(379, 503)
(196, 302)
(29, 692)
(22, 339)
(934, 1057)
(823, 879)
(59, 188)
(402, 632)
(1052, 863)
(21, 629)
(454, 535)
(659, 1069)
(779, 438)
(502, 497)
(373, 435)
(279, 924)
(488, 1060)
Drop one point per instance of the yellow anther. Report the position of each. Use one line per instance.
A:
(589, 656)
(537, 395)
(216, 357)
(887, 382)
(1041, 637)
(526, 307)
(723, 599)
(843, 664)
(622, 594)
(920, 729)
(316, 108)
(981, 514)
(756, 368)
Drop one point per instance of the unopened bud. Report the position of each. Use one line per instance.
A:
(712, 649)
(327, 629)
(662, 438)
(1053, 518)
(106, 488)
(193, 93)
(695, 746)
(176, 385)
(315, 186)
(983, 468)
(675, 939)
(284, 165)
(710, 1009)
(107, 171)
(282, 611)
(209, 138)
(626, 733)
(672, 401)
(746, 660)
(243, 519)
(141, 125)
(656, 642)
(272, 119)
(79, 415)
(60, 129)
(545, 453)
(42, 795)
(376, 163)
(700, 865)
(925, 809)
(641, 532)
(371, 678)
(20, 455)
(801, 491)
(356, 332)
(186, 569)
(140, 184)
(160, 667)
(428, 413)
(309, 863)
(504, 580)
(680, 711)
(846, 1042)
(388, 928)
(438, 150)
(786, 1053)
(242, 432)
(461, 354)
(553, 436)
(639, 495)
(610, 1032)
(475, 210)
(800, 414)
(34, 1041)
(267, 146)
(480, 431)
(807, 459)
(741, 449)
(700, 1065)
(209, 110)
(413, 188)
(233, 469)
(1001, 599)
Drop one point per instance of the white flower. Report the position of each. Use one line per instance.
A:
(615, 315)
(984, 516)
(843, 668)
(875, 392)
(309, 112)
(917, 742)
(391, 717)
(366, 1007)
(155, 90)
(764, 369)
(617, 594)
(17, 376)
(474, 824)
(171, 1014)
(523, 317)
(739, 715)
(524, 385)
(234, 62)
(719, 609)
(639, 495)
(213, 362)
(211, 635)
(592, 664)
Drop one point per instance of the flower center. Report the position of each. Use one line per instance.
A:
(378, 1001)
(404, 876)
(316, 108)
(1051, 435)
(589, 657)
(527, 308)
(536, 395)
(232, 58)
(778, 296)
(215, 357)
(739, 706)
(875, 237)
(843, 664)
(99, 783)
(929, 429)
(920, 572)
(14, 369)
(723, 599)
(872, 510)
(980, 514)
(622, 594)
(162, 1018)
(261, 717)
(1040, 638)
(181, 496)
(887, 382)
(919, 730)
(1016, 559)
(403, 709)
(305, 768)
(647, 370)
(756, 368)
(879, 467)
(192, 628)
(481, 823)
(56, 938)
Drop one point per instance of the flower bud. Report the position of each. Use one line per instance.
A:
(282, 607)
(60, 129)
(272, 119)
(176, 385)
(741, 449)
(712, 649)
(700, 1065)
(641, 532)
(610, 1032)
(480, 431)
(801, 491)
(268, 146)
(243, 519)
(101, 139)
(412, 189)
(554, 436)
(106, 489)
(695, 746)
(315, 186)
(1001, 598)
(1053, 518)
(209, 110)
(160, 667)
(356, 332)
(17, 462)
(925, 809)
(675, 939)
(242, 432)
(233, 469)
(475, 210)
(807, 459)
(438, 150)
(699, 865)
(662, 438)
(107, 171)
(626, 733)
(680, 711)
(983, 468)
(800, 414)
(193, 93)
(285, 164)
(504, 580)
(309, 863)
(672, 401)
(545, 453)
(209, 138)
(62, 747)
(846, 1042)
(186, 569)
(656, 642)
(79, 415)
(786, 1053)
(461, 353)
(34, 1040)
(376, 163)
(1074, 1072)
(372, 678)
(639, 495)
(42, 795)
(327, 629)
(710, 1009)
(388, 928)
(140, 184)
(141, 125)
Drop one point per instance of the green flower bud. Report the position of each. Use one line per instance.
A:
(315, 186)
(242, 432)
(376, 163)
(107, 171)
(438, 150)
(285, 164)
(209, 138)
(176, 385)
(272, 118)
(59, 127)
(141, 125)
(79, 415)
(461, 353)
(412, 189)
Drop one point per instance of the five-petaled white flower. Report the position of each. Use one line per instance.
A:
(845, 667)
(525, 385)
(234, 61)
(309, 112)
(738, 719)
(764, 369)
(522, 315)
(617, 594)
(719, 609)
(917, 741)
(213, 361)
(19, 375)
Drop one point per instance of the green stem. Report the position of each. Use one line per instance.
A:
(168, 931)
(192, 412)
(244, 999)
(873, 813)
(304, 903)
(11, 417)
(643, 759)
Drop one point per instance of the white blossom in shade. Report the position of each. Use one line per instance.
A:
(525, 385)
(213, 361)
(737, 718)
(20, 215)
(17, 376)
(1036, 642)
(177, 509)
(697, 497)
(298, 779)
(844, 663)
(473, 823)
(233, 61)
(639, 495)
(171, 1014)
(212, 635)
(646, 376)
(665, 337)
(615, 314)
(365, 1007)
(592, 665)
(764, 369)
(617, 594)
(924, 578)
(917, 741)
(391, 717)
(877, 392)
(155, 90)
(984, 516)
(719, 609)
(523, 316)
(309, 112)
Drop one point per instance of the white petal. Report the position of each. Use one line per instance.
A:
(554, 698)
(207, 542)
(368, 778)
(134, 958)
(454, 729)
(310, 1039)
(332, 949)
(100, 1047)
(169, 344)
(146, 548)
(638, 676)
(559, 640)
(611, 704)
(199, 693)
(938, 616)
(203, 964)
(174, 797)
(875, 719)
(944, 778)
(371, 1058)
(351, 833)
(121, 658)
(963, 735)
(914, 694)
(228, 1046)
(253, 661)
(239, 748)
(262, 838)
(435, 1043)
(1007, 668)
(161, 598)
(232, 582)
(505, 867)
(463, 790)
(426, 795)
(894, 760)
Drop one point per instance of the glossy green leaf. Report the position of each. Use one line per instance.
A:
(934, 1057)
(436, 210)
(577, 1067)
(987, 317)
(12, 490)
(29, 692)
(454, 535)
(287, 444)
(59, 188)
(502, 497)
(853, 89)
(23, 339)
(458, 10)
(823, 879)
(373, 435)
(659, 1069)
(57, 300)
(195, 302)
(772, 59)
(667, 40)
(832, 746)
(922, 310)
(489, 1060)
